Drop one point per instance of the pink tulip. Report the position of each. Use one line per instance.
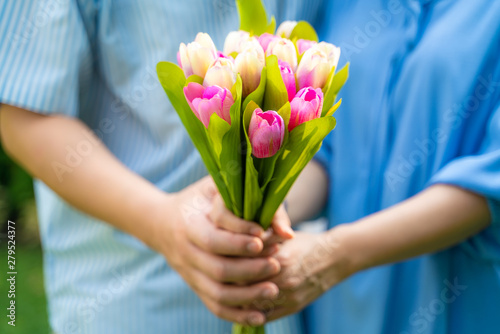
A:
(304, 44)
(265, 39)
(196, 57)
(285, 50)
(316, 65)
(285, 29)
(221, 73)
(288, 79)
(266, 132)
(307, 105)
(249, 64)
(206, 101)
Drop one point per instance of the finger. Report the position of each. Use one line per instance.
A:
(270, 250)
(247, 317)
(235, 270)
(281, 312)
(208, 188)
(223, 218)
(281, 224)
(236, 295)
(209, 238)
(271, 238)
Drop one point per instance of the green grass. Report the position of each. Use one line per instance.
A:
(31, 310)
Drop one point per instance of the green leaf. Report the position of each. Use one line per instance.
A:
(217, 128)
(303, 30)
(253, 16)
(285, 113)
(271, 28)
(253, 194)
(258, 94)
(173, 80)
(333, 109)
(276, 95)
(334, 83)
(304, 141)
(231, 163)
(194, 78)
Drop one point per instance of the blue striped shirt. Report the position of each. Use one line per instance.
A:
(95, 60)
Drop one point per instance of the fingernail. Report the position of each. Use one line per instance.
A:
(256, 319)
(290, 231)
(253, 247)
(257, 231)
(270, 293)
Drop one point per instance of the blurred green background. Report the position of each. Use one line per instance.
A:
(17, 204)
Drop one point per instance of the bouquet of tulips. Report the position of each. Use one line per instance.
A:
(258, 111)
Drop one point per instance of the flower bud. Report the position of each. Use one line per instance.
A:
(307, 105)
(196, 57)
(285, 29)
(304, 44)
(288, 79)
(285, 50)
(249, 64)
(235, 40)
(265, 39)
(206, 101)
(316, 65)
(221, 73)
(266, 133)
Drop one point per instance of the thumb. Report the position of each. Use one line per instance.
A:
(281, 224)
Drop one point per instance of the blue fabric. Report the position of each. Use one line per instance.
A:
(96, 60)
(421, 107)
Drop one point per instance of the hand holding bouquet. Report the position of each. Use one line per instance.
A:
(258, 111)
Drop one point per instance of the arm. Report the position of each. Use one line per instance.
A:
(99, 185)
(437, 218)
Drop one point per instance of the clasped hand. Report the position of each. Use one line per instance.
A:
(242, 273)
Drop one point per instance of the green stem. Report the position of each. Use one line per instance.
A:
(240, 329)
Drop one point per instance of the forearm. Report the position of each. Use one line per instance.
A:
(433, 220)
(308, 194)
(95, 182)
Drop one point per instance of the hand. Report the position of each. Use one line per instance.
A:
(199, 251)
(279, 231)
(310, 265)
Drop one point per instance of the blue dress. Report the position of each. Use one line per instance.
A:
(421, 107)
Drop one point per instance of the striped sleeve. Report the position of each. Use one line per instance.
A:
(44, 45)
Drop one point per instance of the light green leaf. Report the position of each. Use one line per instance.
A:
(253, 16)
(271, 28)
(231, 159)
(334, 83)
(258, 94)
(333, 109)
(303, 143)
(253, 194)
(217, 128)
(303, 30)
(276, 95)
(285, 113)
(194, 78)
(173, 80)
